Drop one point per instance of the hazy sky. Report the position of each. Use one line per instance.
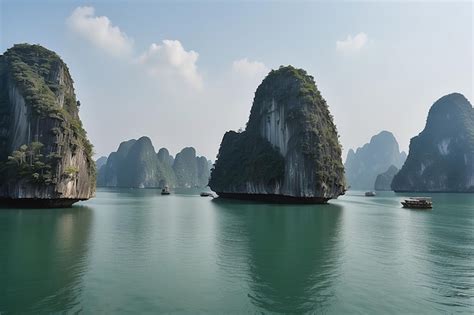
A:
(184, 73)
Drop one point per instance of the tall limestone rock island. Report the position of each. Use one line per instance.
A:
(441, 157)
(373, 158)
(166, 162)
(289, 151)
(45, 156)
(191, 170)
(141, 168)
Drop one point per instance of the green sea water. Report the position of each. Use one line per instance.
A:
(135, 251)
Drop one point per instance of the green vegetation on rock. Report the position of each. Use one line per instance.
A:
(243, 158)
(27, 163)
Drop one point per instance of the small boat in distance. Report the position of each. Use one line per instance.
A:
(418, 203)
(370, 193)
(165, 191)
(206, 194)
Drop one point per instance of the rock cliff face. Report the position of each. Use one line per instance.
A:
(109, 174)
(190, 170)
(441, 157)
(166, 161)
(165, 157)
(290, 149)
(383, 181)
(135, 164)
(374, 158)
(203, 171)
(45, 156)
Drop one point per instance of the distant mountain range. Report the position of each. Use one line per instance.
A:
(376, 157)
(136, 164)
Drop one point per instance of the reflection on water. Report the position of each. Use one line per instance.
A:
(46, 258)
(291, 252)
(135, 251)
(408, 261)
(448, 267)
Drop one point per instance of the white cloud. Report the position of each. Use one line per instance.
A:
(100, 31)
(170, 59)
(251, 69)
(352, 44)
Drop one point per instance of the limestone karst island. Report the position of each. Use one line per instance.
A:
(290, 150)
(236, 157)
(46, 158)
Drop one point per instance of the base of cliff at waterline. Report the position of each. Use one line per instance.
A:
(38, 202)
(271, 198)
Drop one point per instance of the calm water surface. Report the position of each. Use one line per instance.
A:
(131, 251)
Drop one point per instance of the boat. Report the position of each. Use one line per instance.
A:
(206, 194)
(370, 193)
(418, 203)
(165, 191)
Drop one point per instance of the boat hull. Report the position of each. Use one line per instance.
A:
(416, 206)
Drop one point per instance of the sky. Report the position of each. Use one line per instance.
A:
(184, 73)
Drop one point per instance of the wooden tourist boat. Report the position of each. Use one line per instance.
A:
(418, 203)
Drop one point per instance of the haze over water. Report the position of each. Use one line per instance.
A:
(137, 251)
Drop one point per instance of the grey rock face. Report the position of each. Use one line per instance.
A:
(165, 157)
(203, 171)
